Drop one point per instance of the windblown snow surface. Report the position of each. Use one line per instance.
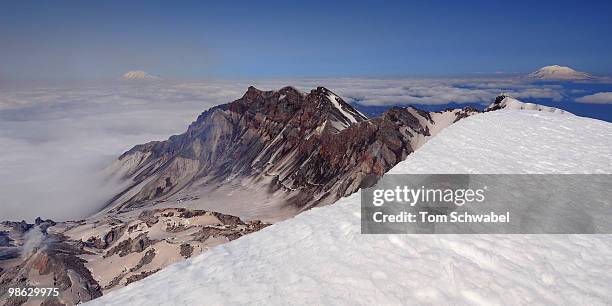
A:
(509, 103)
(320, 257)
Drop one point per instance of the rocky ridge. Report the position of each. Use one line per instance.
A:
(302, 150)
(87, 258)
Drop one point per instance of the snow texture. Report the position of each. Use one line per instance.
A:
(334, 100)
(320, 258)
(510, 103)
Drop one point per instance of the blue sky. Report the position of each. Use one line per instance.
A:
(246, 39)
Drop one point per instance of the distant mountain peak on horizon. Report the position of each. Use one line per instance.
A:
(556, 72)
(139, 75)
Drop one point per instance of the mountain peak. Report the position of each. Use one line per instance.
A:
(290, 90)
(299, 149)
(138, 75)
(556, 72)
(349, 114)
(321, 89)
(320, 104)
(252, 92)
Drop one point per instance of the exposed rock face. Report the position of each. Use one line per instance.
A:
(5, 240)
(310, 149)
(128, 246)
(186, 250)
(85, 259)
(140, 276)
(17, 227)
(56, 264)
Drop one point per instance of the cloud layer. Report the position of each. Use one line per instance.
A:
(56, 138)
(54, 142)
(598, 98)
(438, 91)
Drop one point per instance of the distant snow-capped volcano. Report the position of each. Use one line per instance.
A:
(557, 72)
(139, 75)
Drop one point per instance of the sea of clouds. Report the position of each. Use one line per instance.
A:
(55, 138)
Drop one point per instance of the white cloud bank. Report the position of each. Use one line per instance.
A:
(54, 142)
(55, 138)
(437, 91)
(598, 98)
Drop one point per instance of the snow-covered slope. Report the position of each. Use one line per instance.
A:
(556, 72)
(510, 103)
(320, 257)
